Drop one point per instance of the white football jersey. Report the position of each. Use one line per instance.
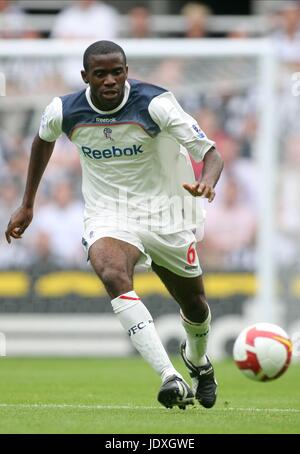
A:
(133, 158)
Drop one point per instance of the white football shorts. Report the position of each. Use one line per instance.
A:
(175, 251)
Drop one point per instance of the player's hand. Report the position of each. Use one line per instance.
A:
(201, 189)
(18, 223)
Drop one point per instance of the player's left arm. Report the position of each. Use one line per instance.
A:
(169, 115)
(212, 169)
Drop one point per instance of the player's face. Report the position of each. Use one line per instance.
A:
(106, 76)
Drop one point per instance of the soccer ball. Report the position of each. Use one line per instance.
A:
(262, 351)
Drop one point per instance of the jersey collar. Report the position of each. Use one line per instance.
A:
(105, 112)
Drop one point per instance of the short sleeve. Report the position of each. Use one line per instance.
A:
(51, 122)
(167, 113)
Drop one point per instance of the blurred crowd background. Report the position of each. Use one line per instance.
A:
(226, 112)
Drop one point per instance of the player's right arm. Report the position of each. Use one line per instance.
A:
(41, 151)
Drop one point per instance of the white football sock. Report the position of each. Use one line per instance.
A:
(197, 338)
(137, 321)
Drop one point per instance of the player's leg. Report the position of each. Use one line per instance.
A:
(195, 316)
(113, 261)
(190, 295)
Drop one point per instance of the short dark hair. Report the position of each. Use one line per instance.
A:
(102, 48)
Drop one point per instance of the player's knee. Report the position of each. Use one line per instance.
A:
(200, 304)
(196, 308)
(116, 281)
(196, 300)
(201, 300)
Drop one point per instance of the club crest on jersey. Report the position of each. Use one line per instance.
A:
(107, 133)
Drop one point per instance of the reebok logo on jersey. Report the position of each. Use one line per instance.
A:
(113, 152)
(105, 120)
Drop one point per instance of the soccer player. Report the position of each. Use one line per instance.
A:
(132, 139)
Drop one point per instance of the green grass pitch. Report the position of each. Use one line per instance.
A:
(118, 396)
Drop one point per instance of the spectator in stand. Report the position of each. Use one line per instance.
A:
(12, 20)
(286, 39)
(286, 36)
(43, 257)
(65, 164)
(9, 195)
(289, 194)
(9, 191)
(4, 151)
(16, 157)
(239, 32)
(57, 224)
(230, 231)
(87, 19)
(84, 19)
(196, 16)
(169, 73)
(243, 170)
(139, 22)
(288, 213)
